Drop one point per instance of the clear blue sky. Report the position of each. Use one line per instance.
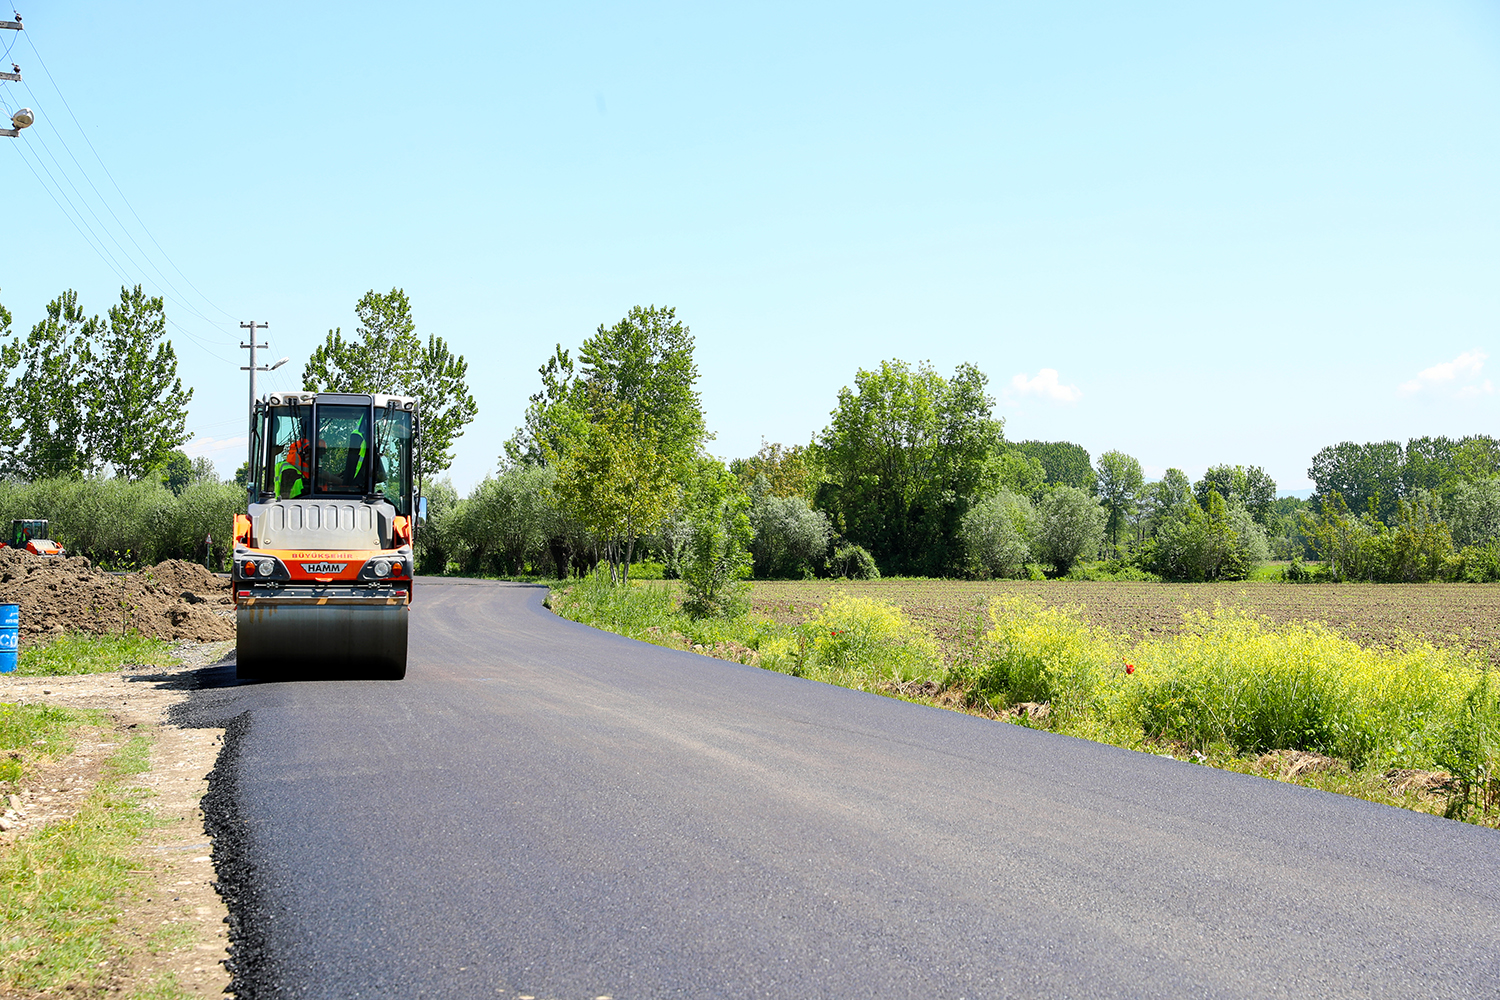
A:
(1197, 233)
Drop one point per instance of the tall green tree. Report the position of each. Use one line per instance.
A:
(136, 405)
(1120, 483)
(906, 451)
(1066, 464)
(47, 393)
(1364, 476)
(386, 355)
(646, 360)
(1166, 498)
(1252, 488)
(616, 484)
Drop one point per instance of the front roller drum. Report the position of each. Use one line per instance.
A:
(309, 641)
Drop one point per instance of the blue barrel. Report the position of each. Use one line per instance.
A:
(10, 636)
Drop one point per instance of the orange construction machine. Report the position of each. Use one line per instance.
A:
(323, 559)
(33, 535)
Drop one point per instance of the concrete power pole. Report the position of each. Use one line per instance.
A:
(252, 367)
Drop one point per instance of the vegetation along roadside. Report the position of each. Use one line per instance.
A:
(1404, 722)
(105, 885)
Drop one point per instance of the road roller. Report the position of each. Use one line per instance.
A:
(323, 555)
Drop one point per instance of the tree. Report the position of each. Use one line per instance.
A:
(906, 451)
(1066, 464)
(1017, 472)
(1120, 482)
(1251, 488)
(646, 360)
(136, 406)
(616, 484)
(1166, 498)
(554, 416)
(1070, 525)
(718, 547)
(789, 472)
(1215, 540)
(995, 532)
(387, 356)
(48, 401)
(1473, 512)
(1361, 474)
(507, 520)
(177, 472)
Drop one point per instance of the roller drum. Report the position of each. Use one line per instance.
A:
(306, 642)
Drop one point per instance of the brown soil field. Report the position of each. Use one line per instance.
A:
(1465, 616)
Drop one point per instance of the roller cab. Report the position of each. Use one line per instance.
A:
(323, 557)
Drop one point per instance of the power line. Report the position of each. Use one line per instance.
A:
(144, 228)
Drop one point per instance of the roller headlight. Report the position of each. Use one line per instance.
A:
(381, 569)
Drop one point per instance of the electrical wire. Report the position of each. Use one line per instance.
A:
(144, 228)
(177, 297)
(96, 243)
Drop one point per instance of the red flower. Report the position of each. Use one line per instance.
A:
(1130, 668)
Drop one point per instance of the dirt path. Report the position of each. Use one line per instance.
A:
(174, 922)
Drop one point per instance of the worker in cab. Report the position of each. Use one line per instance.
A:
(292, 471)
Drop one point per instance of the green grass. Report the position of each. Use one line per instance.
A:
(61, 883)
(31, 733)
(82, 653)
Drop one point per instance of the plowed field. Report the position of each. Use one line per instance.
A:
(1461, 615)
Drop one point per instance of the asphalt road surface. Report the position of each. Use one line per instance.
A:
(543, 810)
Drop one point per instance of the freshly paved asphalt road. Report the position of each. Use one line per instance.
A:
(544, 810)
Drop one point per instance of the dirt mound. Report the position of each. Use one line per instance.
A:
(173, 600)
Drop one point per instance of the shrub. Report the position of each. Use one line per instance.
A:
(124, 522)
(856, 641)
(994, 533)
(790, 537)
(852, 562)
(1036, 653)
(717, 557)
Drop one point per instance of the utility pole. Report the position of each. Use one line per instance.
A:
(22, 118)
(252, 367)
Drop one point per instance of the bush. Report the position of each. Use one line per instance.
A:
(1479, 563)
(994, 533)
(717, 557)
(790, 537)
(1230, 680)
(1216, 541)
(858, 641)
(127, 523)
(852, 562)
(1036, 653)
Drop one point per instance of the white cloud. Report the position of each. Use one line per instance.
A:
(1045, 384)
(213, 447)
(1459, 377)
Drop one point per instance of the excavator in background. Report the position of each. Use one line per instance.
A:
(33, 535)
(322, 570)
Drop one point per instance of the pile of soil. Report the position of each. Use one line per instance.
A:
(173, 600)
